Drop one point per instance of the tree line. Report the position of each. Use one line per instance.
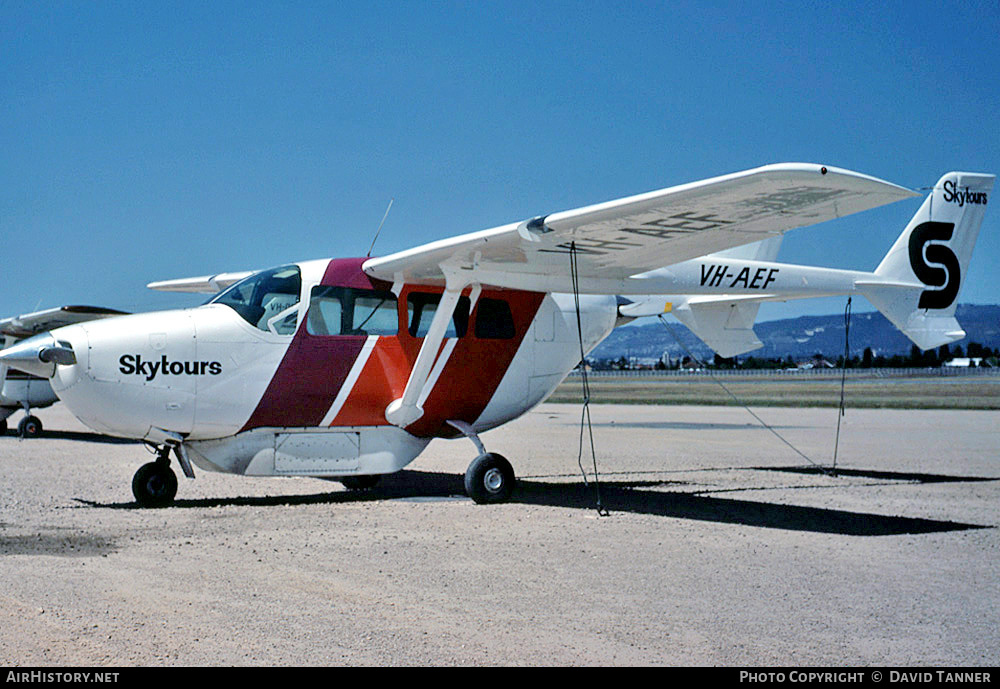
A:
(931, 358)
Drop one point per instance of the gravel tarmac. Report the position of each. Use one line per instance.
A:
(721, 546)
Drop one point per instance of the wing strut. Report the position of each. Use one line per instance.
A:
(407, 409)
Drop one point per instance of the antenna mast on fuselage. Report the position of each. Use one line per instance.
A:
(375, 238)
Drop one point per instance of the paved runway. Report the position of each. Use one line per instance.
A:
(722, 547)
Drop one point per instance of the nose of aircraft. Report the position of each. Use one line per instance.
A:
(38, 355)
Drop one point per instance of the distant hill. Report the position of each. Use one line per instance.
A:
(800, 337)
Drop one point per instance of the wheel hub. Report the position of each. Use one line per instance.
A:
(493, 480)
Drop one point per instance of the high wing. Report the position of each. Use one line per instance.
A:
(617, 241)
(206, 284)
(26, 325)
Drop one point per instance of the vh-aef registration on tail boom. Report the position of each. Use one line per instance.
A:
(347, 368)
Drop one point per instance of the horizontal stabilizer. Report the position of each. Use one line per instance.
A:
(726, 327)
(925, 329)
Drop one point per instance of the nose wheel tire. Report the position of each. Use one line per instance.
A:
(154, 485)
(489, 479)
(29, 427)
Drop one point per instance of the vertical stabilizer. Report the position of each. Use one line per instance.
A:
(921, 276)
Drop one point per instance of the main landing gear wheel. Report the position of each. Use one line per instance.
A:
(360, 482)
(489, 479)
(30, 427)
(154, 485)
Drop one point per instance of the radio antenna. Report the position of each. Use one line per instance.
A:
(380, 228)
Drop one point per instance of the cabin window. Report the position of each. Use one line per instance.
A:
(349, 311)
(494, 320)
(268, 300)
(421, 307)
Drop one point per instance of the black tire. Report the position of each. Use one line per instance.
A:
(360, 482)
(154, 485)
(490, 479)
(30, 427)
(3, 426)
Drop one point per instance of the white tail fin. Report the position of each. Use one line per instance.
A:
(920, 278)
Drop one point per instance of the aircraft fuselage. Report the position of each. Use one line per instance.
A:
(293, 375)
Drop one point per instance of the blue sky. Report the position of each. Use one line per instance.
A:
(148, 141)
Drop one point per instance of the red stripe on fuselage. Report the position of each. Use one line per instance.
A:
(314, 369)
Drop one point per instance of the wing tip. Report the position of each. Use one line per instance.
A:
(834, 171)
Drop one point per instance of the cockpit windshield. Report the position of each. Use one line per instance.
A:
(267, 300)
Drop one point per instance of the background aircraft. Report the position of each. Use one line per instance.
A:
(348, 368)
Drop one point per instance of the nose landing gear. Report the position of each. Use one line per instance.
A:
(29, 427)
(155, 483)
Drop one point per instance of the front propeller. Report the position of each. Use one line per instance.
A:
(38, 355)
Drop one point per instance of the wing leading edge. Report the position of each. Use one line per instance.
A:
(617, 241)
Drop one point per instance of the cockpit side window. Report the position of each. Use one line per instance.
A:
(267, 300)
(349, 311)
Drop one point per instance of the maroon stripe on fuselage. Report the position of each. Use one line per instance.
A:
(314, 368)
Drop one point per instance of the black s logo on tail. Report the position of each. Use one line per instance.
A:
(929, 271)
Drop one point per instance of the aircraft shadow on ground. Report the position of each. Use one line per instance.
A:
(902, 476)
(617, 496)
